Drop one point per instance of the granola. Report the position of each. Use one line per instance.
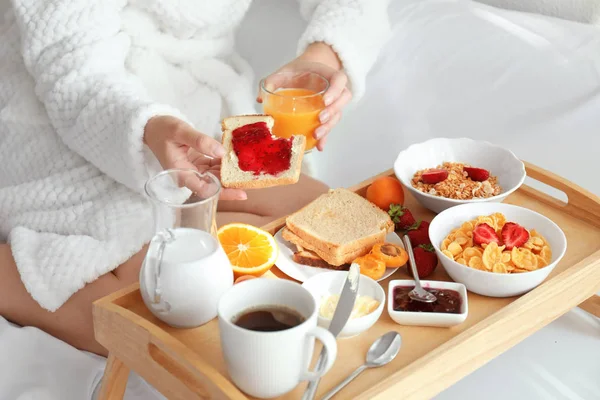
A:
(458, 185)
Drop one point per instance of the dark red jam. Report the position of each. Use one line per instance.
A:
(259, 152)
(448, 301)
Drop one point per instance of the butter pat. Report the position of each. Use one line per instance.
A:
(364, 305)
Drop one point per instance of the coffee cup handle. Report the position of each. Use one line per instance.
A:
(330, 346)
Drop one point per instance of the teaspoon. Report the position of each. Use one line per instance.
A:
(418, 293)
(381, 352)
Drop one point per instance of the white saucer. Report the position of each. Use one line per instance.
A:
(286, 264)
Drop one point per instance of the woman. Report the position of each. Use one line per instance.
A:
(96, 96)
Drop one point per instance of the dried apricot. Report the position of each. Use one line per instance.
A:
(391, 254)
(371, 266)
(385, 191)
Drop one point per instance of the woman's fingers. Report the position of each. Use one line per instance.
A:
(204, 187)
(336, 107)
(233, 194)
(271, 83)
(321, 143)
(186, 135)
(337, 84)
(324, 129)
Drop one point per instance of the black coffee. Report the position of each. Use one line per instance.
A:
(268, 319)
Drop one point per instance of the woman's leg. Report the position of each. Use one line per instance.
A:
(72, 322)
(266, 205)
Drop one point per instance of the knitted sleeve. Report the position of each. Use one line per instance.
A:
(76, 55)
(355, 29)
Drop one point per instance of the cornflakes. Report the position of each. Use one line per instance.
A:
(493, 257)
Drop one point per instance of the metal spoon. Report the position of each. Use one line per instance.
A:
(381, 352)
(418, 293)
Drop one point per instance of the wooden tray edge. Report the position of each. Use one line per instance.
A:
(471, 349)
(156, 348)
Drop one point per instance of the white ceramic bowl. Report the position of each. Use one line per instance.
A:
(499, 161)
(329, 283)
(489, 283)
(428, 318)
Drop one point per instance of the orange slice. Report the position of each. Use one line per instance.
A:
(251, 251)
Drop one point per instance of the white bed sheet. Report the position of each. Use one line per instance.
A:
(527, 82)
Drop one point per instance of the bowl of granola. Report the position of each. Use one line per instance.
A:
(497, 250)
(442, 173)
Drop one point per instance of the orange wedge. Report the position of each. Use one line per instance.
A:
(251, 251)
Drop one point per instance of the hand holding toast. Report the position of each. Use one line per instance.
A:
(320, 58)
(177, 145)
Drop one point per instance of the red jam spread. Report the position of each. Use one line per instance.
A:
(259, 152)
(448, 301)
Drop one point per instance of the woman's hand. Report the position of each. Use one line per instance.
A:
(320, 58)
(177, 145)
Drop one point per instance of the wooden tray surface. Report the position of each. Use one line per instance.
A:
(187, 363)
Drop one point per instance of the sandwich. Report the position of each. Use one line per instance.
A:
(254, 158)
(337, 227)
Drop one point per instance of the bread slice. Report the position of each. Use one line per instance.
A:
(338, 223)
(330, 259)
(231, 174)
(309, 258)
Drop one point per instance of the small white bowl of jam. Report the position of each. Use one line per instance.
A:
(326, 289)
(451, 307)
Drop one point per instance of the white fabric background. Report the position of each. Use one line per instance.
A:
(452, 69)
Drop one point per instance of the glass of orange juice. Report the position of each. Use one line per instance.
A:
(295, 101)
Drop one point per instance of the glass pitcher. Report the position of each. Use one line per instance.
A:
(185, 271)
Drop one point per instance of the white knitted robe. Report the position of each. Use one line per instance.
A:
(79, 79)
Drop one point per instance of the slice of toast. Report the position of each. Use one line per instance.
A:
(338, 223)
(310, 259)
(234, 177)
(330, 259)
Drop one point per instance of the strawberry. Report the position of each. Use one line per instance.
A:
(433, 176)
(419, 234)
(401, 216)
(426, 260)
(483, 233)
(477, 174)
(514, 235)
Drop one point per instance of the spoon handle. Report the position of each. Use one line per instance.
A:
(411, 261)
(343, 383)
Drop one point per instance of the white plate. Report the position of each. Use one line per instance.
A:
(286, 264)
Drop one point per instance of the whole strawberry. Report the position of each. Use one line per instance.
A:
(402, 217)
(426, 260)
(419, 234)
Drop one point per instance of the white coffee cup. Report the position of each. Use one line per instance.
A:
(270, 364)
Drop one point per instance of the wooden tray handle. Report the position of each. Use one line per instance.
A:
(201, 378)
(592, 306)
(581, 203)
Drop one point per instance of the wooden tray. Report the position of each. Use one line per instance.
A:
(187, 364)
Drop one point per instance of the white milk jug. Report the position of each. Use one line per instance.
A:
(185, 271)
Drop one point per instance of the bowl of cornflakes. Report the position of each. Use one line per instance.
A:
(442, 173)
(497, 250)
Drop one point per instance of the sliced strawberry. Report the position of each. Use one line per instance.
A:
(483, 233)
(433, 176)
(477, 174)
(514, 235)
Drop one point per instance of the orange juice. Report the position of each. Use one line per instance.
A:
(296, 112)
